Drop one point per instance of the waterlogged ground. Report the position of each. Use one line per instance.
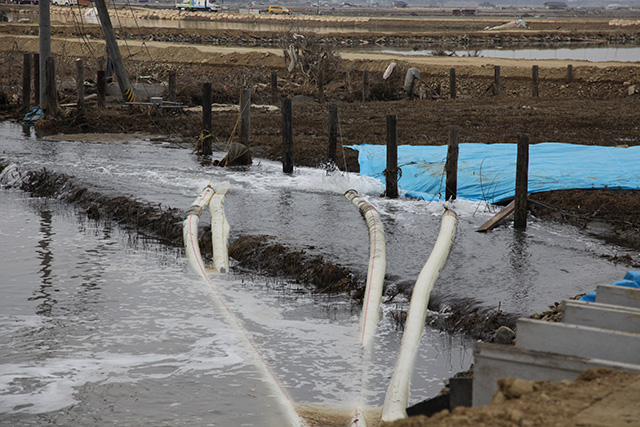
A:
(103, 327)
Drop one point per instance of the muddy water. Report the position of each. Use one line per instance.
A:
(98, 325)
(101, 327)
(592, 54)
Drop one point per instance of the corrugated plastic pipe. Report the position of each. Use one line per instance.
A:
(192, 249)
(373, 290)
(397, 397)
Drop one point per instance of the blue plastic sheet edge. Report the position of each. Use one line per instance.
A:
(486, 172)
(630, 280)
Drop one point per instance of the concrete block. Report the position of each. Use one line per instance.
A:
(492, 362)
(576, 340)
(618, 295)
(605, 316)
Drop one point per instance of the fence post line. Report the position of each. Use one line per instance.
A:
(522, 176)
(287, 136)
(36, 78)
(534, 81)
(245, 116)
(365, 85)
(391, 173)
(80, 84)
(173, 83)
(101, 86)
(452, 83)
(333, 132)
(497, 84)
(274, 87)
(26, 82)
(451, 167)
(207, 120)
(51, 92)
(321, 86)
(569, 73)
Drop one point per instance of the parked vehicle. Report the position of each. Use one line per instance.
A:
(279, 10)
(64, 2)
(208, 5)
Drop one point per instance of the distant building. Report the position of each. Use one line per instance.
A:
(400, 4)
(458, 4)
(486, 5)
(555, 5)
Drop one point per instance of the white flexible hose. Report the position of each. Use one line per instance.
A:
(219, 230)
(192, 249)
(373, 290)
(376, 269)
(190, 231)
(397, 397)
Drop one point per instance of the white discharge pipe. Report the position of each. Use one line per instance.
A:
(397, 397)
(219, 230)
(376, 269)
(190, 231)
(373, 290)
(192, 249)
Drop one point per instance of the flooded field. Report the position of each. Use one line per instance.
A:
(98, 317)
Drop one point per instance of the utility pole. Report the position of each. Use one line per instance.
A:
(44, 37)
(114, 52)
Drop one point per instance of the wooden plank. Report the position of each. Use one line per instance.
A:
(493, 222)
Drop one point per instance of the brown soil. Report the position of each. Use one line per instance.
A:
(599, 397)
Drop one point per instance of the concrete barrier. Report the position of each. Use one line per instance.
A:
(493, 361)
(618, 295)
(606, 316)
(576, 340)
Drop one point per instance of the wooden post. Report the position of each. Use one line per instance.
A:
(569, 73)
(452, 83)
(52, 106)
(287, 136)
(80, 84)
(333, 132)
(207, 121)
(274, 87)
(534, 81)
(365, 86)
(391, 173)
(102, 89)
(497, 85)
(245, 116)
(44, 44)
(26, 82)
(173, 83)
(451, 167)
(321, 86)
(36, 78)
(522, 176)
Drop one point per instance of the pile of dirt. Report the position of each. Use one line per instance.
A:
(599, 397)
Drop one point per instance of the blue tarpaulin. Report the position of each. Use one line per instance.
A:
(486, 172)
(630, 280)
